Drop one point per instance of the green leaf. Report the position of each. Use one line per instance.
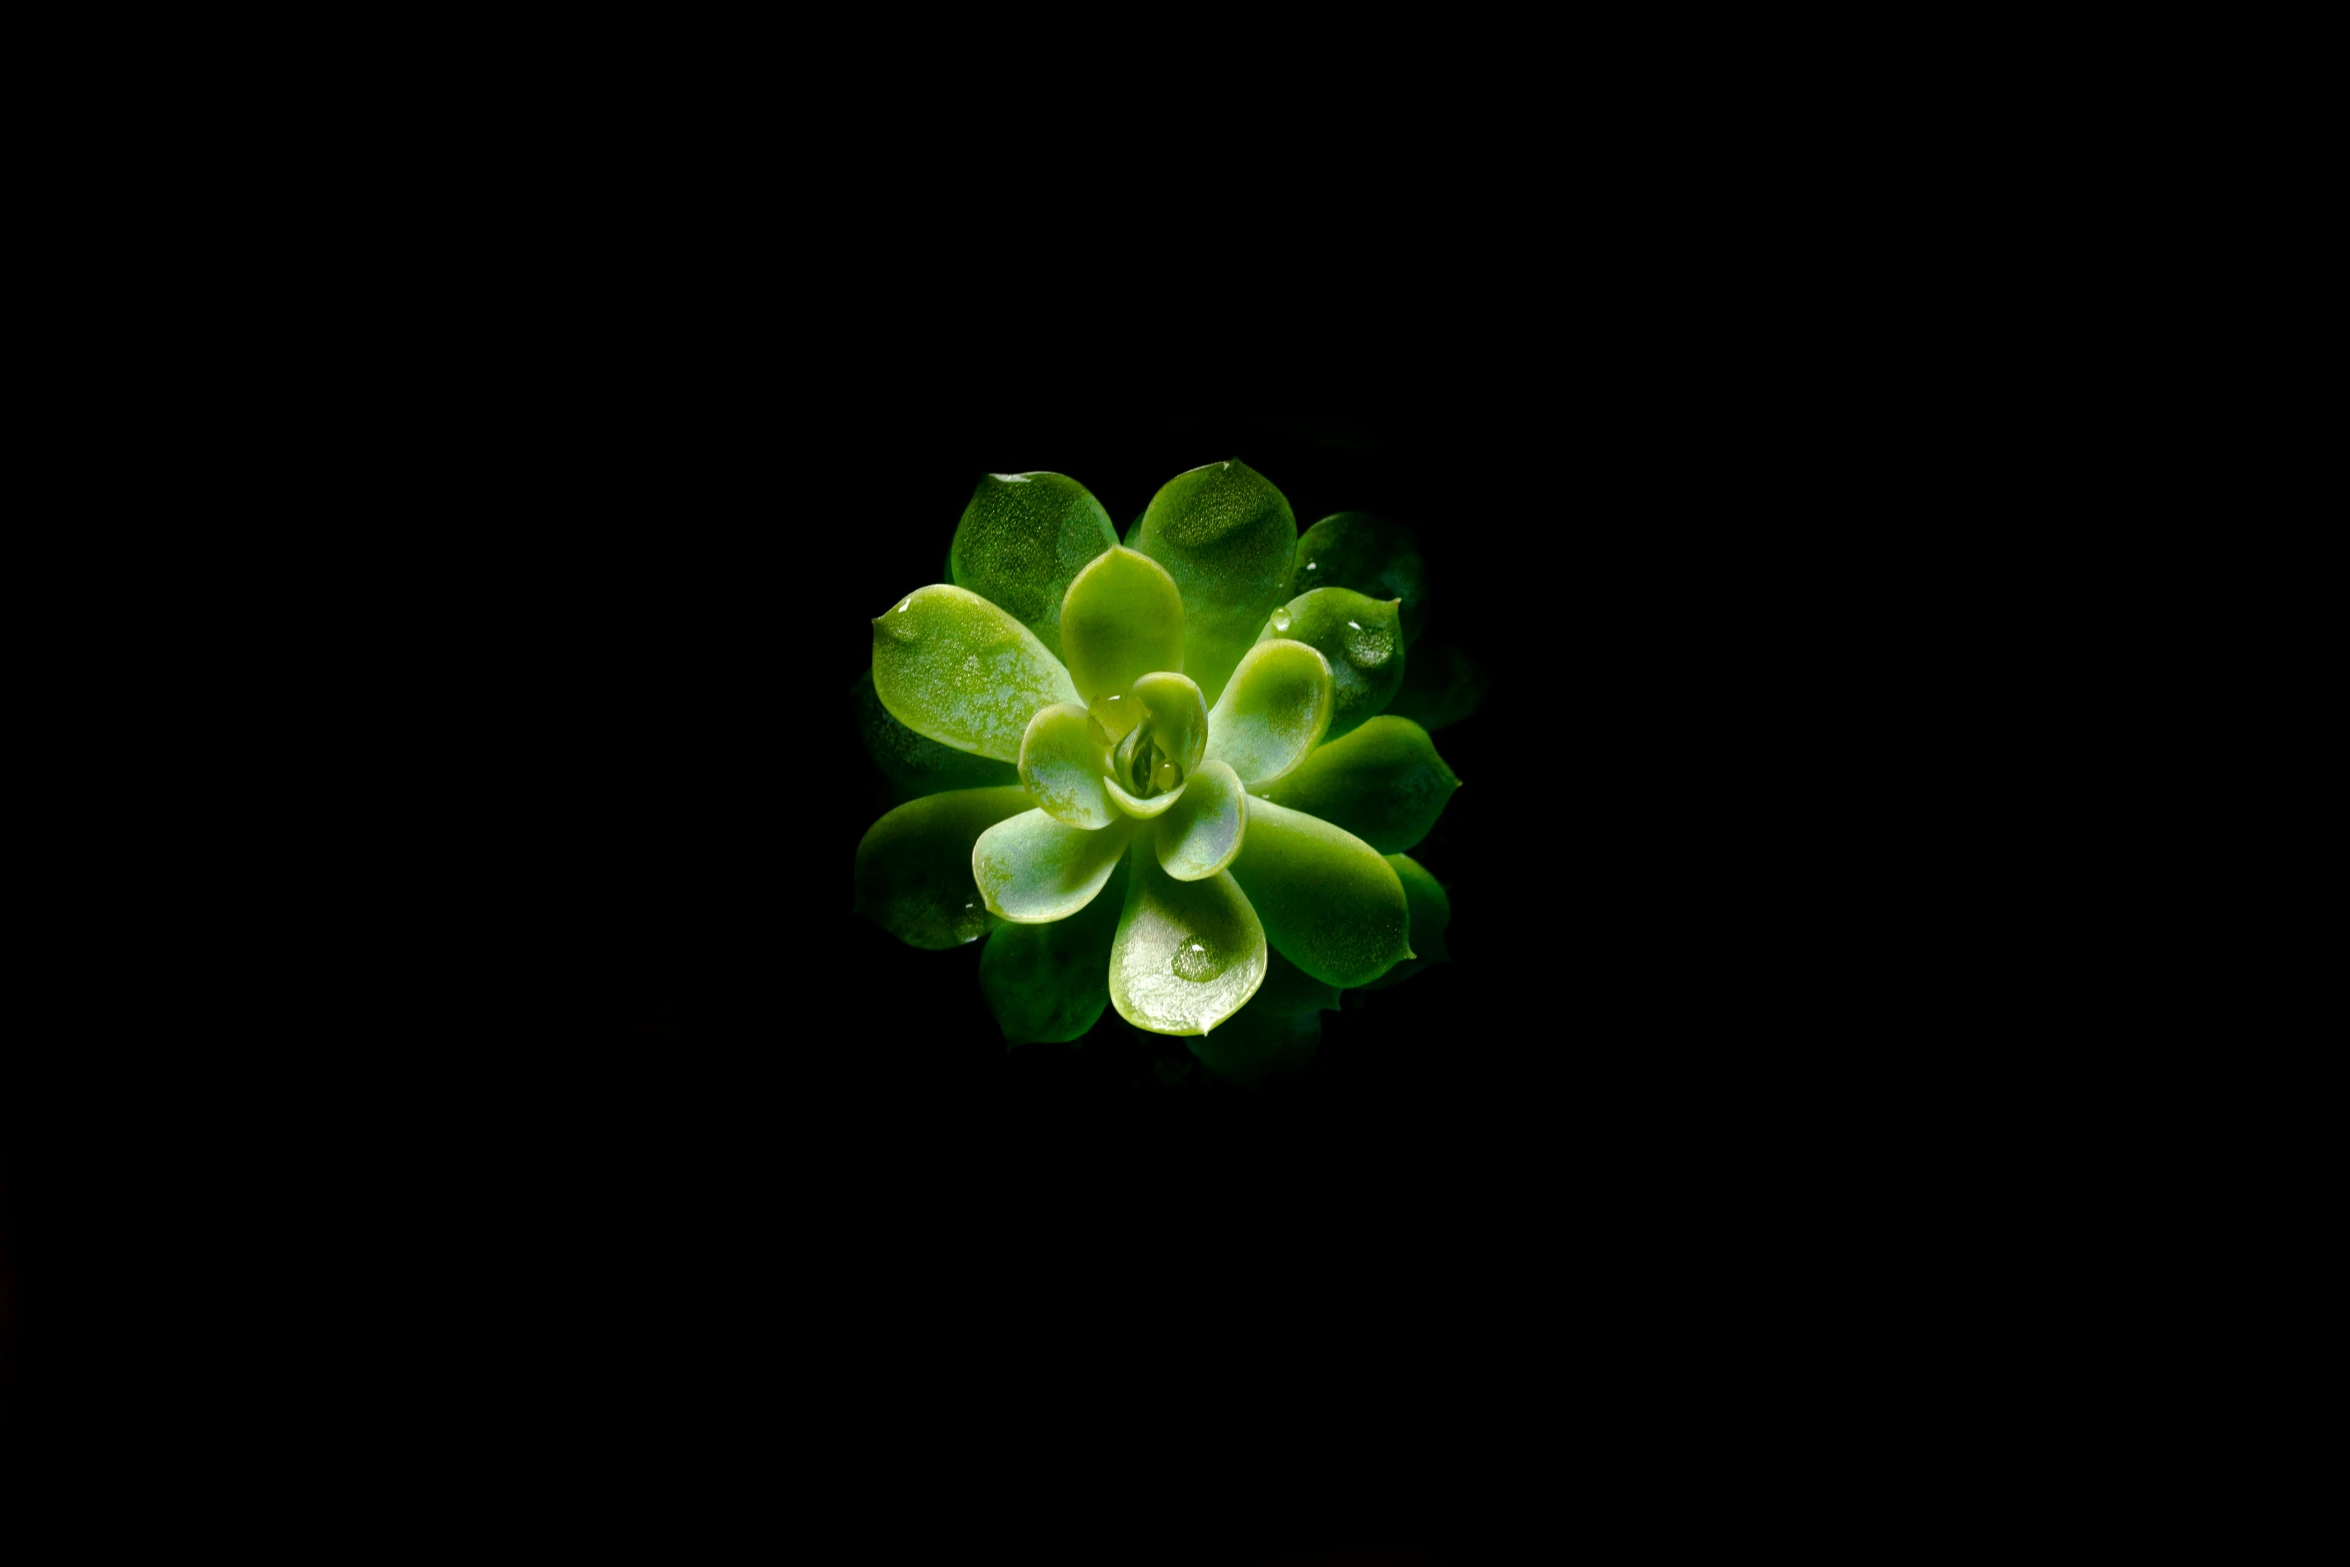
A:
(1226, 536)
(952, 666)
(1274, 712)
(1063, 766)
(1359, 637)
(1022, 539)
(914, 865)
(1188, 954)
(1202, 833)
(916, 765)
(1032, 869)
(1142, 810)
(1443, 686)
(1048, 984)
(1123, 618)
(1328, 902)
(1178, 717)
(1431, 913)
(1373, 556)
(1384, 783)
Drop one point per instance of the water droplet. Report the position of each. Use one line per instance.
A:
(1164, 776)
(1199, 961)
(1093, 727)
(1114, 713)
(1313, 565)
(1368, 649)
(1281, 620)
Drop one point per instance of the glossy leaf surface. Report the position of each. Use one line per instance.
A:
(1188, 954)
(1122, 620)
(1326, 898)
(914, 865)
(1062, 765)
(1226, 536)
(916, 765)
(1273, 713)
(1022, 539)
(1358, 636)
(1031, 868)
(1050, 983)
(1384, 783)
(1372, 555)
(952, 666)
(1178, 716)
(1201, 834)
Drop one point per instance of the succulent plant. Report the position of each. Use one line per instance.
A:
(1156, 774)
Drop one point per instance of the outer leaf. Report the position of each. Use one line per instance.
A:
(1384, 783)
(1188, 954)
(1062, 765)
(1179, 717)
(1226, 535)
(1022, 539)
(1328, 901)
(1443, 686)
(1359, 637)
(1431, 913)
(1373, 556)
(1202, 833)
(1122, 619)
(916, 765)
(914, 865)
(1049, 983)
(1273, 714)
(952, 666)
(1032, 869)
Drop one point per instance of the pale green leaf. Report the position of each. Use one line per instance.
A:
(1032, 869)
(1063, 766)
(1188, 954)
(1274, 712)
(1201, 834)
(1122, 619)
(952, 666)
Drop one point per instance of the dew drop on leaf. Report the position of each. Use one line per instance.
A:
(1199, 961)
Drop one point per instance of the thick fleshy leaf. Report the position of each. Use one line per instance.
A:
(1202, 833)
(1275, 711)
(1188, 954)
(1032, 869)
(1442, 685)
(1140, 809)
(952, 666)
(916, 765)
(1178, 716)
(1122, 619)
(1050, 983)
(1373, 556)
(1359, 637)
(1022, 539)
(1384, 783)
(1327, 900)
(1431, 912)
(1063, 766)
(1226, 536)
(914, 865)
